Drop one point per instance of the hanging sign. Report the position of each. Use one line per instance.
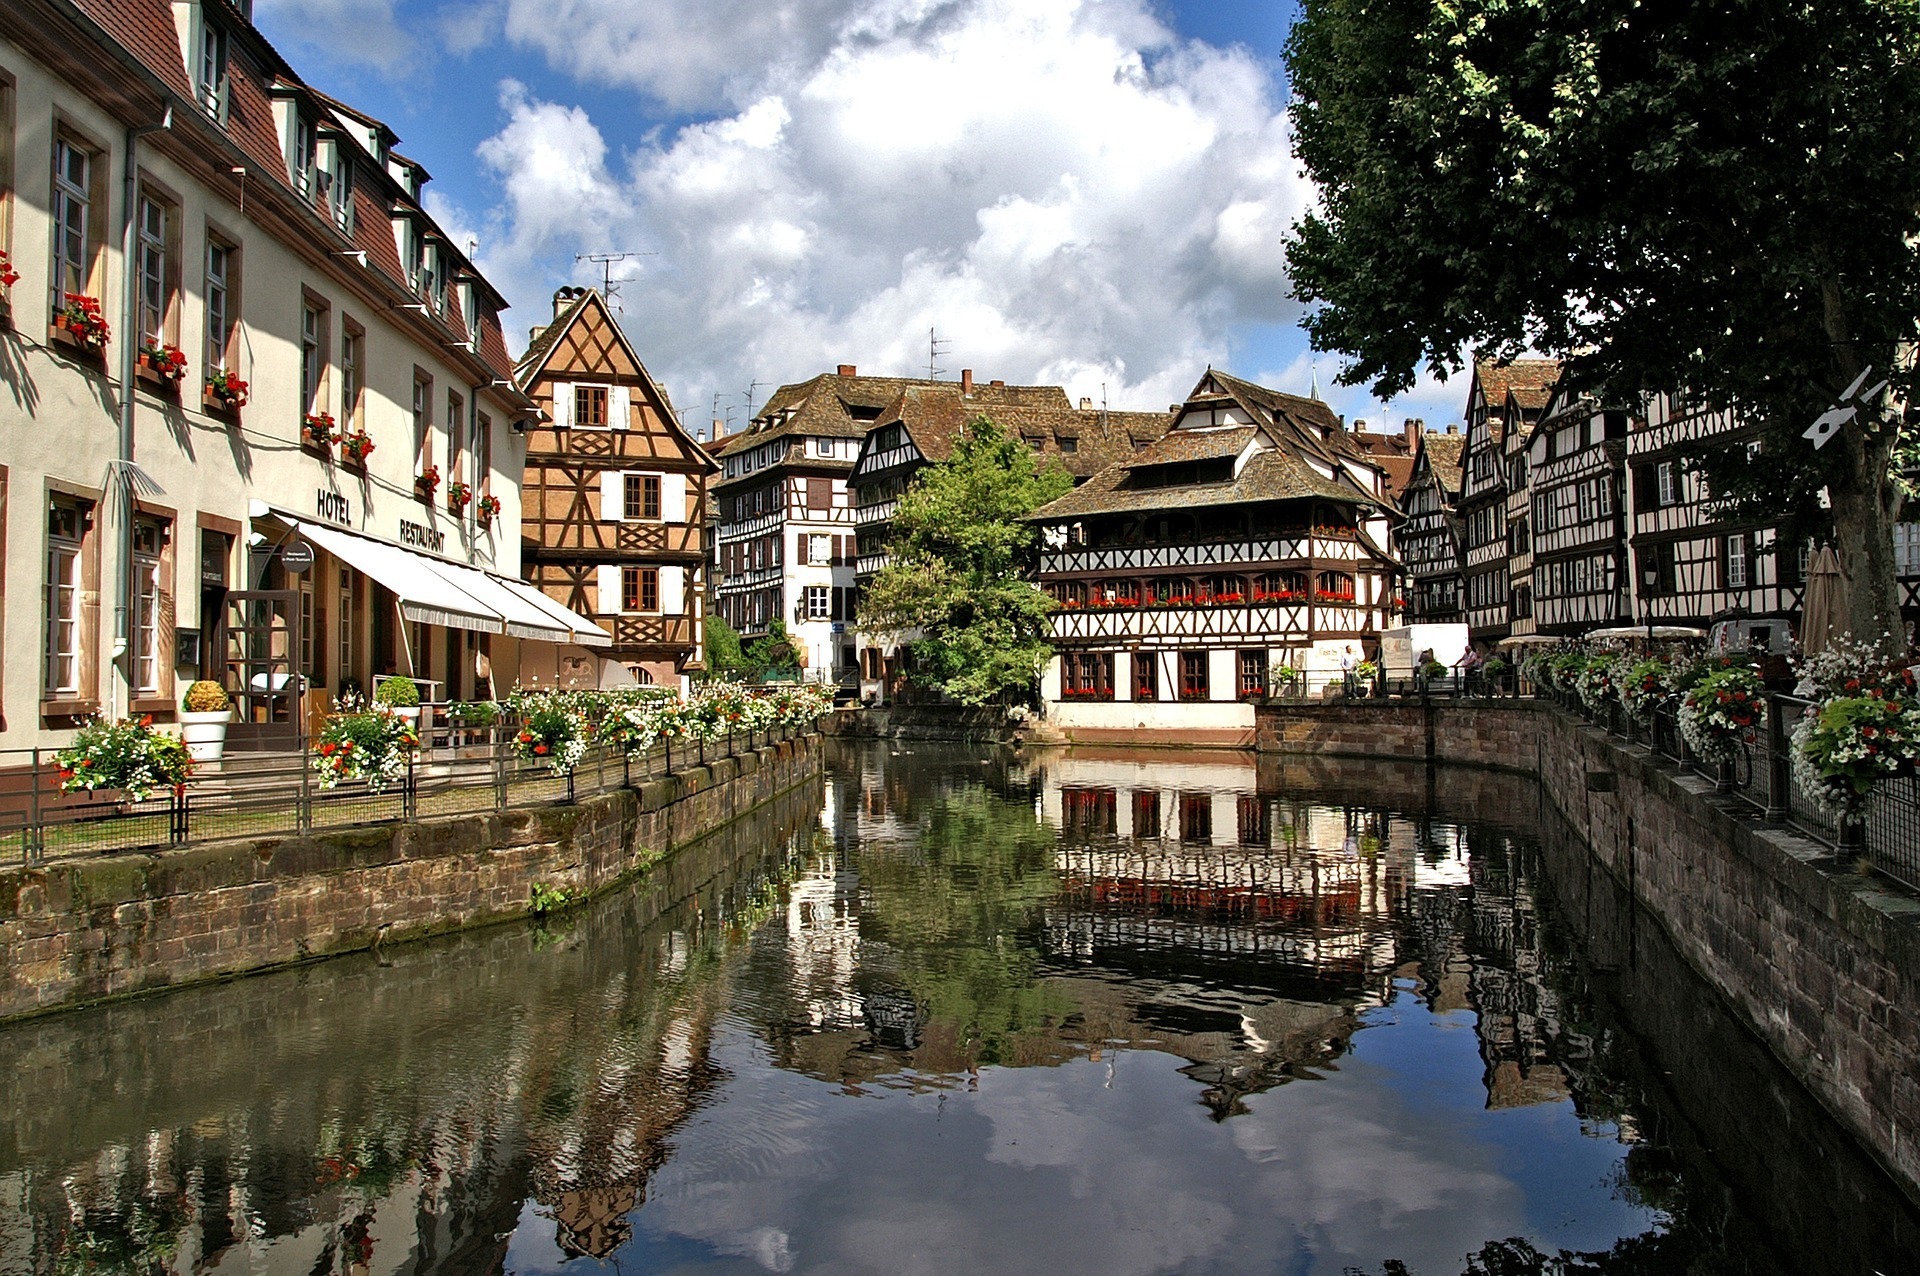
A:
(296, 556)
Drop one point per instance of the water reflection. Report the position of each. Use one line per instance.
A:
(1086, 1010)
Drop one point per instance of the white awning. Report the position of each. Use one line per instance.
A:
(585, 632)
(522, 619)
(437, 591)
(426, 595)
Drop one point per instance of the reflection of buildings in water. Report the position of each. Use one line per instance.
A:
(1528, 1044)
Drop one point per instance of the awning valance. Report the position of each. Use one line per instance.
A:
(435, 591)
(426, 596)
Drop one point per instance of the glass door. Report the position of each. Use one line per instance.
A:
(262, 673)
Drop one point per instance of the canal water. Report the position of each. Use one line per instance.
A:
(1080, 1011)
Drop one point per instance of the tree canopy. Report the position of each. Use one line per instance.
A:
(1718, 198)
(959, 558)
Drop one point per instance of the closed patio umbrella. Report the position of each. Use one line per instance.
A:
(1824, 617)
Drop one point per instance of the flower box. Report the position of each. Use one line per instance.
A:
(223, 393)
(427, 481)
(317, 431)
(459, 495)
(356, 447)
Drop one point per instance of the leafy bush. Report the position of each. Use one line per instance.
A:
(474, 713)
(207, 697)
(397, 692)
(364, 744)
(553, 729)
(1721, 712)
(128, 755)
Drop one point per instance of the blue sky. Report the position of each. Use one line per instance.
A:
(1082, 192)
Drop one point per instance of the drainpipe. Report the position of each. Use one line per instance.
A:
(129, 350)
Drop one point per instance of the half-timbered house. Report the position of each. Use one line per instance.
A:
(613, 506)
(920, 429)
(784, 530)
(1427, 541)
(1251, 535)
(1693, 563)
(1502, 402)
(1576, 462)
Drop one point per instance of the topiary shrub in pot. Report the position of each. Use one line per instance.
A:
(400, 695)
(204, 713)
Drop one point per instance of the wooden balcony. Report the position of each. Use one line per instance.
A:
(650, 631)
(1120, 560)
(1177, 626)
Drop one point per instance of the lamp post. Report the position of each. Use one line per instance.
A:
(1649, 581)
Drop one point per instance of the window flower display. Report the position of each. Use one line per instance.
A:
(225, 389)
(80, 318)
(317, 430)
(168, 362)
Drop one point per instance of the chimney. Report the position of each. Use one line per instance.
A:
(999, 385)
(849, 370)
(966, 381)
(1359, 426)
(1086, 404)
(564, 297)
(533, 334)
(1453, 427)
(1414, 427)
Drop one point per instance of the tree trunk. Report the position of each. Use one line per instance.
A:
(1864, 507)
(1863, 495)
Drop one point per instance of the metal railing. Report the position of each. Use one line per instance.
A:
(457, 770)
(1760, 775)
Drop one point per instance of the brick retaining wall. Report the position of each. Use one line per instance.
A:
(1822, 962)
(81, 931)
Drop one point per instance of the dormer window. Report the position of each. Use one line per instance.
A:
(340, 189)
(211, 69)
(302, 155)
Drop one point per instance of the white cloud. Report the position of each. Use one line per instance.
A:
(1064, 191)
(349, 31)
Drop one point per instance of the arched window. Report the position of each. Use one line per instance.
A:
(641, 674)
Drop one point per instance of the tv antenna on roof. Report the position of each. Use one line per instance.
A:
(751, 387)
(609, 286)
(936, 346)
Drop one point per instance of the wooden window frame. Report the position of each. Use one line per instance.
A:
(423, 418)
(92, 198)
(1195, 680)
(598, 397)
(316, 330)
(82, 699)
(353, 375)
(223, 315)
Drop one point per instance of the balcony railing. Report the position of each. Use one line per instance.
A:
(1116, 559)
(458, 770)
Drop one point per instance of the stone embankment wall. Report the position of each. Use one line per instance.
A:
(79, 931)
(1822, 962)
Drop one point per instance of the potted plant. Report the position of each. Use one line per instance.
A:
(427, 481)
(401, 695)
(458, 495)
(487, 510)
(366, 744)
(317, 430)
(224, 391)
(357, 447)
(80, 318)
(128, 756)
(167, 362)
(204, 713)
(1722, 712)
(8, 275)
(552, 731)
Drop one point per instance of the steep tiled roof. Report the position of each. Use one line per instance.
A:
(1194, 445)
(1271, 475)
(1529, 380)
(1443, 458)
(933, 416)
(835, 406)
(256, 75)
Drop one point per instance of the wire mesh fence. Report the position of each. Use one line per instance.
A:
(458, 769)
(1760, 774)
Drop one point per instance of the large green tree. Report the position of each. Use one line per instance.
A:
(960, 558)
(1718, 197)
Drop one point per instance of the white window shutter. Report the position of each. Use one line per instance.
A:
(613, 495)
(673, 498)
(563, 403)
(673, 594)
(620, 407)
(607, 576)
